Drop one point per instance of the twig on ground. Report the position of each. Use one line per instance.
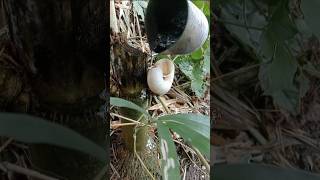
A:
(21, 170)
(6, 144)
(102, 173)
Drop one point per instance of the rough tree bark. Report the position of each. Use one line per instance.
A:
(62, 43)
(130, 67)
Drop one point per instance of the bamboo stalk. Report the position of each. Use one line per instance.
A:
(113, 18)
(139, 160)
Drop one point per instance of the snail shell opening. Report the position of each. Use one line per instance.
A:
(160, 77)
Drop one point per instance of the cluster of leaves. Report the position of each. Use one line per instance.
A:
(273, 33)
(196, 66)
(195, 130)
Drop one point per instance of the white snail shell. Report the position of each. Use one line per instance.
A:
(160, 76)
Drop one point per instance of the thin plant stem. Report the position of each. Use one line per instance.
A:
(102, 173)
(235, 72)
(203, 160)
(240, 25)
(126, 118)
(163, 105)
(114, 126)
(136, 154)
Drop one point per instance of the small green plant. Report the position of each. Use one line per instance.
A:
(193, 128)
(196, 66)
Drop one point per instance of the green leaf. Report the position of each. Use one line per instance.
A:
(310, 9)
(206, 59)
(204, 6)
(279, 29)
(127, 104)
(278, 74)
(196, 67)
(281, 25)
(169, 164)
(195, 129)
(197, 81)
(30, 129)
(246, 28)
(277, 79)
(198, 122)
(197, 55)
(259, 172)
(193, 69)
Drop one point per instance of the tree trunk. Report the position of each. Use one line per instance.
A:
(62, 44)
(130, 68)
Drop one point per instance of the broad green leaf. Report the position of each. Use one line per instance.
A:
(197, 81)
(198, 122)
(195, 129)
(169, 163)
(281, 24)
(232, 24)
(259, 172)
(310, 9)
(277, 79)
(195, 71)
(279, 74)
(246, 27)
(30, 129)
(279, 29)
(126, 104)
